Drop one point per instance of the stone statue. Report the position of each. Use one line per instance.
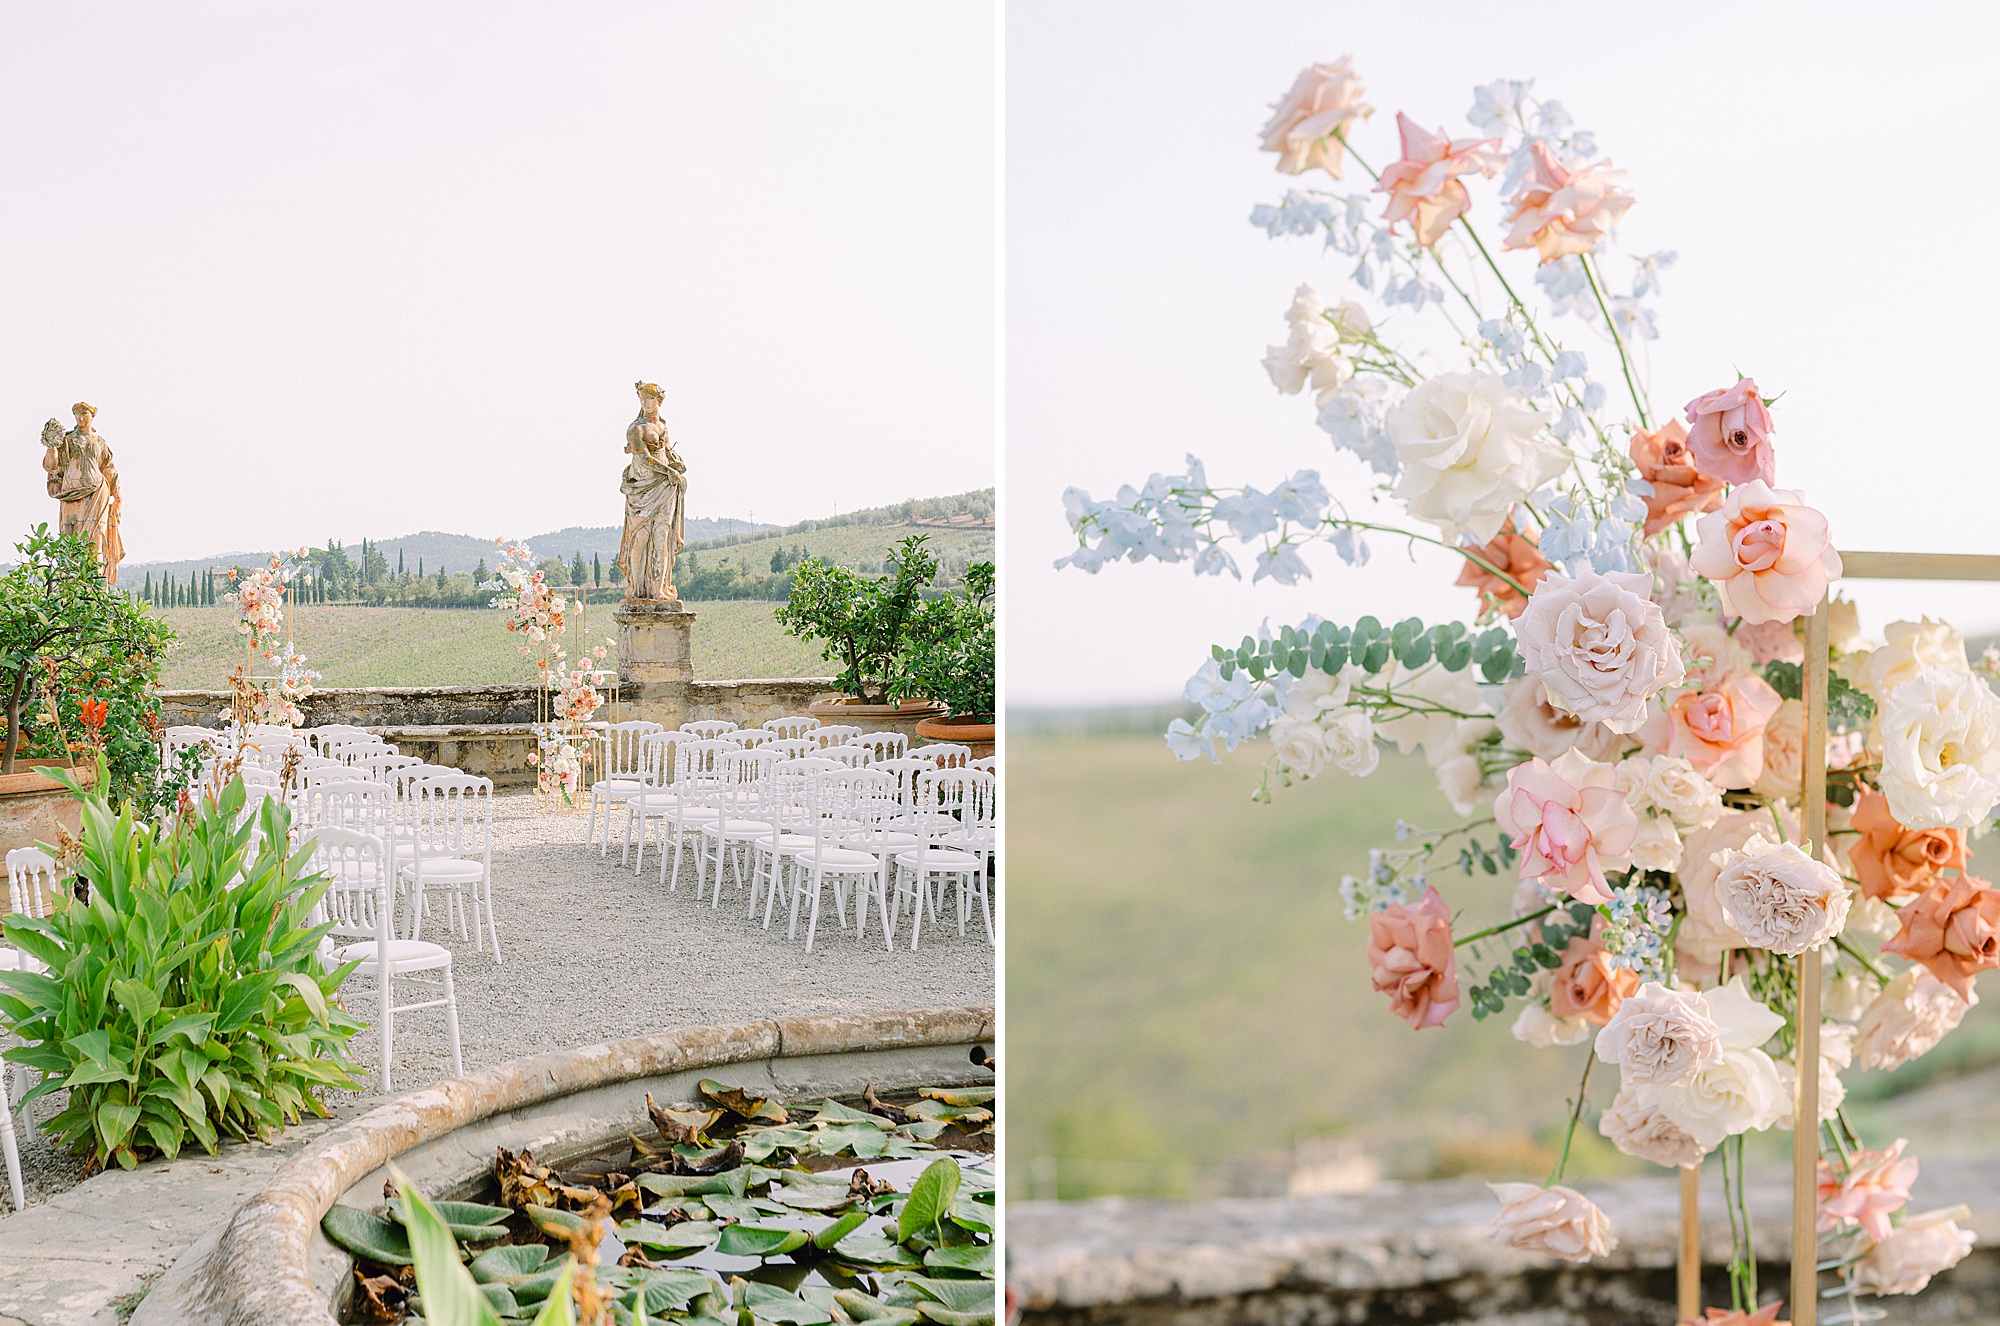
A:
(83, 479)
(655, 488)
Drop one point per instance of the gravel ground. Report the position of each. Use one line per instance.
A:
(590, 952)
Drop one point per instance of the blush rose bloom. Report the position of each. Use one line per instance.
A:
(1512, 553)
(1895, 863)
(1324, 99)
(1875, 1187)
(1768, 554)
(1600, 645)
(1721, 732)
(1470, 447)
(1423, 185)
(1667, 465)
(1904, 1262)
(1772, 640)
(1556, 1221)
(1634, 1125)
(1706, 932)
(1660, 1037)
(1742, 1090)
(1410, 959)
(1529, 723)
(1730, 434)
(1912, 1014)
(1712, 653)
(1560, 210)
(1779, 898)
(1940, 739)
(1586, 985)
(1670, 785)
(1658, 846)
(1783, 777)
(1568, 822)
(1953, 930)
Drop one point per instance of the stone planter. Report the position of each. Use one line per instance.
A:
(33, 806)
(960, 730)
(271, 1263)
(902, 718)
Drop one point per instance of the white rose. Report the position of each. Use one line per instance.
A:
(1635, 1126)
(1742, 1090)
(1348, 737)
(1542, 1029)
(1299, 745)
(1780, 899)
(1940, 736)
(1528, 722)
(1660, 1037)
(1462, 781)
(1911, 1015)
(1440, 735)
(1316, 692)
(1673, 785)
(1847, 998)
(1904, 1262)
(1911, 647)
(1657, 847)
(1836, 1052)
(1872, 916)
(1783, 777)
(1843, 629)
(1471, 448)
(1599, 645)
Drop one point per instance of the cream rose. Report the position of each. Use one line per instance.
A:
(1711, 653)
(1780, 899)
(1445, 738)
(1669, 784)
(1660, 1037)
(1940, 735)
(1657, 847)
(1600, 646)
(1904, 1262)
(1742, 1090)
(1470, 448)
(1542, 1029)
(1635, 1126)
(1909, 648)
(1783, 777)
(1298, 745)
(1911, 1015)
(1557, 1222)
(1836, 1053)
(1528, 722)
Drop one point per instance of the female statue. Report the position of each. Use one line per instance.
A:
(655, 488)
(83, 479)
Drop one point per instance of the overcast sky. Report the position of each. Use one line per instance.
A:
(373, 268)
(1815, 166)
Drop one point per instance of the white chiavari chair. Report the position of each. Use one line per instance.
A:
(696, 795)
(750, 738)
(745, 777)
(791, 726)
(708, 729)
(621, 762)
(451, 840)
(849, 805)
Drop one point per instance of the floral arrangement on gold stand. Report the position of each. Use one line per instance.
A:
(1631, 724)
(271, 697)
(566, 695)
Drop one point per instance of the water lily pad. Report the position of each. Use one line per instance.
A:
(973, 1213)
(945, 1316)
(813, 1196)
(512, 1261)
(683, 1237)
(873, 1250)
(501, 1299)
(735, 1183)
(833, 1112)
(966, 1116)
(551, 1221)
(457, 1213)
(957, 1295)
(367, 1235)
(538, 1286)
(924, 1130)
(864, 1140)
(740, 1102)
(735, 1208)
(774, 1304)
(667, 1290)
(960, 1095)
(974, 1259)
(867, 1308)
(930, 1197)
(839, 1230)
(759, 1240)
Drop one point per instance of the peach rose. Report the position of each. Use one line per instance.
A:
(1305, 124)
(1764, 1316)
(1904, 1262)
(1953, 930)
(1783, 776)
(1568, 822)
(1894, 863)
(1561, 209)
(1514, 553)
(1767, 553)
(1712, 653)
(1721, 732)
(1410, 959)
(1586, 985)
(1875, 1187)
(1679, 489)
(1731, 434)
(1423, 185)
(1556, 1221)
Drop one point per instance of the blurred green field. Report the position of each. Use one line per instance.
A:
(861, 546)
(1188, 1011)
(352, 645)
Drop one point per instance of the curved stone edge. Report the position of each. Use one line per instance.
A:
(256, 1271)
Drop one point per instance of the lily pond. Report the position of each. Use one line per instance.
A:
(737, 1211)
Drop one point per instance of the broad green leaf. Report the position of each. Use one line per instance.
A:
(771, 1303)
(832, 1111)
(511, 1261)
(682, 1237)
(734, 1182)
(551, 1221)
(863, 1140)
(759, 1240)
(559, 1308)
(668, 1290)
(367, 1235)
(867, 1308)
(873, 1250)
(930, 1197)
(958, 1295)
(973, 1214)
(812, 1197)
(976, 1258)
(451, 1298)
(139, 999)
(945, 1316)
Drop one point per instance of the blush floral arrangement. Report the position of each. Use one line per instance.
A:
(544, 617)
(259, 599)
(1621, 724)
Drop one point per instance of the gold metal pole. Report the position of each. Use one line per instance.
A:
(1805, 1055)
(1689, 1267)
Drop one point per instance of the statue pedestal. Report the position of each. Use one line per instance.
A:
(655, 641)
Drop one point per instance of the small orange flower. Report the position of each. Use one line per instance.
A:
(94, 713)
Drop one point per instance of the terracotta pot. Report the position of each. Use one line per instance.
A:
(33, 805)
(901, 718)
(962, 730)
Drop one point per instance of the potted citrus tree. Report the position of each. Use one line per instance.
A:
(867, 625)
(951, 661)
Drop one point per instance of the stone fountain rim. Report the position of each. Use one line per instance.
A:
(258, 1270)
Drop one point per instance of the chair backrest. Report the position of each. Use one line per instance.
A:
(750, 738)
(852, 756)
(906, 772)
(750, 768)
(707, 729)
(791, 748)
(886, 745)
(835, 734)
(365, 807)
(985, 764)
(379, 764)
(451, 815)
(330, 771)
(31, 881)
(853, 804)
(256, 775)
(956, 801)
(621, 748)
(403, 778)
(790, 726)
(943, 754)
(657, 754)
(356, 749)
(358, 898)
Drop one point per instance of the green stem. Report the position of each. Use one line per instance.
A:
(1576, 1113)
(1735, 1231)
(1611, 323)
(1841, 943)
(1467, 553)
(1493, 930)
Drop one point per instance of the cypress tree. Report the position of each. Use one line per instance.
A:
(149, 587)
(596, 569)
(399, 561)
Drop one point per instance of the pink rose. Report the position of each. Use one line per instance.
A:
(1423, 185)
(1730, 434)
(1875, 1187)
(1769, 555)
(1569, 822)
(1305, 124)
(1410, 959)
(1562, 210)
(1557, 1221)
(1721, 732)
(1769, 640)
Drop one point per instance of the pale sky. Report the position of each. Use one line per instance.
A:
(1817, 168)
(370, 268)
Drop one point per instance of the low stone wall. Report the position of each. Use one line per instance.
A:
(1415, 1252)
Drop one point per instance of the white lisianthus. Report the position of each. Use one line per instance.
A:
(1657, 847)
(1600, 646)
(1779, 898)
(1740, 1091)
(1940, 734)
(1471, 448)
(1911, 647)
(1542, 1029)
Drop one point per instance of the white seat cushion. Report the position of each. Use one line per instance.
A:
(445, 870)
(618, 787)
(938, 858)
(838, 858)
(404, 955)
